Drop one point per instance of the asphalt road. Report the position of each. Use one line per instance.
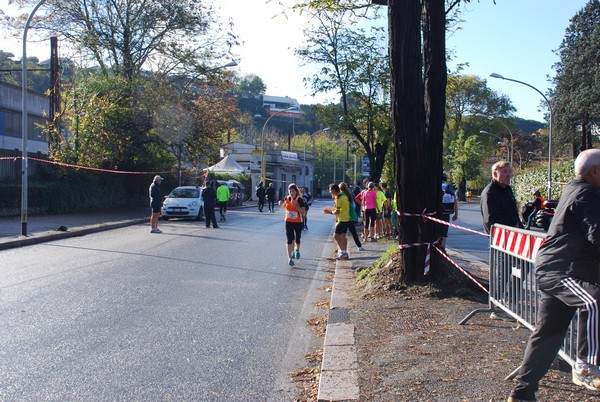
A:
(189, 314)
(469, 216)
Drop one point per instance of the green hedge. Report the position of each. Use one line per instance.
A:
(537, 179)
(76, 191)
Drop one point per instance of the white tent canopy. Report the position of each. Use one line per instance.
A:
(227, 165)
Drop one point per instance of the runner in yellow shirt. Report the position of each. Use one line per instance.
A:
(342, 212)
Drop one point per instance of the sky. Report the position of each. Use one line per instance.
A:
(514, 38)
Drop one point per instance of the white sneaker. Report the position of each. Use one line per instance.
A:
(342, 256)
(587, 376)
(361, 249)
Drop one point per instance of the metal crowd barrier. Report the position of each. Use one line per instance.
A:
(513, 289)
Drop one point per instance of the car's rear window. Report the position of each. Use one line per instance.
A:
(185, 193)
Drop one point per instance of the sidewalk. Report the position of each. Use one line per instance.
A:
(42, 228)
(341, 368)
(405, 345)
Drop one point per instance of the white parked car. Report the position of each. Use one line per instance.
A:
(183, 202)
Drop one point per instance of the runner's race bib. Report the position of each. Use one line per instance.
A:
(292, 215)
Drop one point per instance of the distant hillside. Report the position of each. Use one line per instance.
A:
(529, 126)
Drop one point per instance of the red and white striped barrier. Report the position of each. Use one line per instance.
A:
(515, 242)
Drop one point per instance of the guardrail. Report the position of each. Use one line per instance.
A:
(513, 287)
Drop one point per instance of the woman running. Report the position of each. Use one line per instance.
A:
(294, 206)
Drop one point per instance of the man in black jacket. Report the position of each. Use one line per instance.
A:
(567, 269)
(156, 201)
(271, 197)
(260, 194)
(209, 198)
(498, 204)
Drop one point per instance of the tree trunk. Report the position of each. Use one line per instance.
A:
(586, 136)
(435, 79)
(378, 162)
(408, 127)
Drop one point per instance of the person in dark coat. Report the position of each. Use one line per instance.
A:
(568, 278)
(156, 201)
(261, 193)
(209, 198)
(271, 197)
(498, 204)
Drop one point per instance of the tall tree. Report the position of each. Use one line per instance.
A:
(408, 128)
(132, 53)
(123, 37)
(250, 86)
(468, 95)
(354, 65)
(576, 97)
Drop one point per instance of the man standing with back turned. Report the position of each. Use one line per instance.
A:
(498, 204)
(223, 195)
(567, 269)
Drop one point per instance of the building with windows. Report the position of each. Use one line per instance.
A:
(283, 167)
(11, 119)
(11, 138)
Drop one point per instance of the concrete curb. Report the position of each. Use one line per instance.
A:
(43, 237)
(339, 370)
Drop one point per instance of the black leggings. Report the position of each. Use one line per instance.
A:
(293, 232)
(352, 229)
(370, 217)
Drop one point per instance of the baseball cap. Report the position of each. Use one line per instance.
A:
(158, 177)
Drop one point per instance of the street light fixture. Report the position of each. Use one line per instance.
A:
(24, 126)
(306, 142)
(311, 136)
(263, 168)
(230, 64)
(508, 150)
(495, 75)
(509, 132)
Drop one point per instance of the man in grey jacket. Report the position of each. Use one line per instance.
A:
(567, 269)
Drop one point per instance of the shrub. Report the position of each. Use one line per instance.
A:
(537, 179)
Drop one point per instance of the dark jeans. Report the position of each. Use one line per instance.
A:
(210, 217)
(222, 207)
(271, 202)
(261, 203)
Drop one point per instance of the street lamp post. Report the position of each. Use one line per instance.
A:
(24, 134)
(495, 75)
(509, 133)
(311, 136)
(263, 168)
(304, 155)
(508, 150)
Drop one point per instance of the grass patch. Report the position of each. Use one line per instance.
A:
(381, 261)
